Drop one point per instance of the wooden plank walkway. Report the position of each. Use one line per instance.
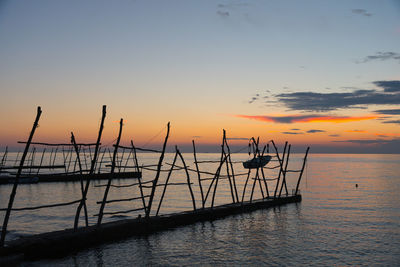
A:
(61, 243)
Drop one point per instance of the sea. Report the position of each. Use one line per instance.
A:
(349, 215)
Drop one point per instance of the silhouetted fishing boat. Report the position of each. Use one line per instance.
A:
(256, 162)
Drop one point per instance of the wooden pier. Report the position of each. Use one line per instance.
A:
(61, 243)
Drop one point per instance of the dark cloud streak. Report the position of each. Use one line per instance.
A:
(381, 56)
(310, 101)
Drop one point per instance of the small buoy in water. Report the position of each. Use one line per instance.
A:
(356, 185)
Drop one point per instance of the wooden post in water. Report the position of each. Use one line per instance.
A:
(227, 166)
(4, 159)
(155, 181)
(94, 159)
(41, 161)
(222, 161)
(280, 163)
(245, 185)
(139, 178)
(302, 169)
(198, 174)
(111, 174)
(232, 170)
(187, 177)
(166, 182)
(78, 159)
(284, 173)
(14, 190)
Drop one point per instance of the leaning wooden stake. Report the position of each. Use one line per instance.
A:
(92, 167)
(103, 203)
(232, 170)
(302, 169)
(227, 166)
(78, 159)
(187, 177)
(14, 190)
(284, 173)
(166, 182)
(280, 163)
(198, 174)
(153, 188)
(140, 177)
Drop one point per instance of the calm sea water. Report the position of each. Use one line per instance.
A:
(336, 224)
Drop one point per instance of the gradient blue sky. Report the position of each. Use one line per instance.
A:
(200, 65)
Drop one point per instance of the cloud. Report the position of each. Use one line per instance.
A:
(295, 129)
(388, 111)
(381, 56)
(306, 118)
(292, 133)
(367, 141)
(223, 13)
(197, 136)
(310, 101)
(356, 131)
(393, 121)
(362, 12)
(254, 98)
(389, 86)
(316, 131)
(334, 135)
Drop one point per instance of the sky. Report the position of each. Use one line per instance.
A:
(324, 74)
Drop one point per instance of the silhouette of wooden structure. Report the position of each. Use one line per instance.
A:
(148, 220)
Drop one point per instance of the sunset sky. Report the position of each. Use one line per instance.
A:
(318, 73)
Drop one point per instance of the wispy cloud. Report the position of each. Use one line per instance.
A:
(334, 135)
(367, 141)
(306, 118)
(356, 131)
(393, 121)
(292, 133)
(223, 13)
(316, 131)
(362, 12)
(295, 129)
(381, 56)
(311, 101)
(388, 111)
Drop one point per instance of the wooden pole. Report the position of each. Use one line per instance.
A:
(245, 185)
(140, 177)
(166, 182)
(222, 161)
(280, 163)
(187, 177)
(41, 161)
(198, 174)
(14, 190)
(227, 166)
(284, 173)
(302, 169)
(81, 204)
(4, 159)
(78, 159)
(232, 170)
(155, 181)
(111, 174)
